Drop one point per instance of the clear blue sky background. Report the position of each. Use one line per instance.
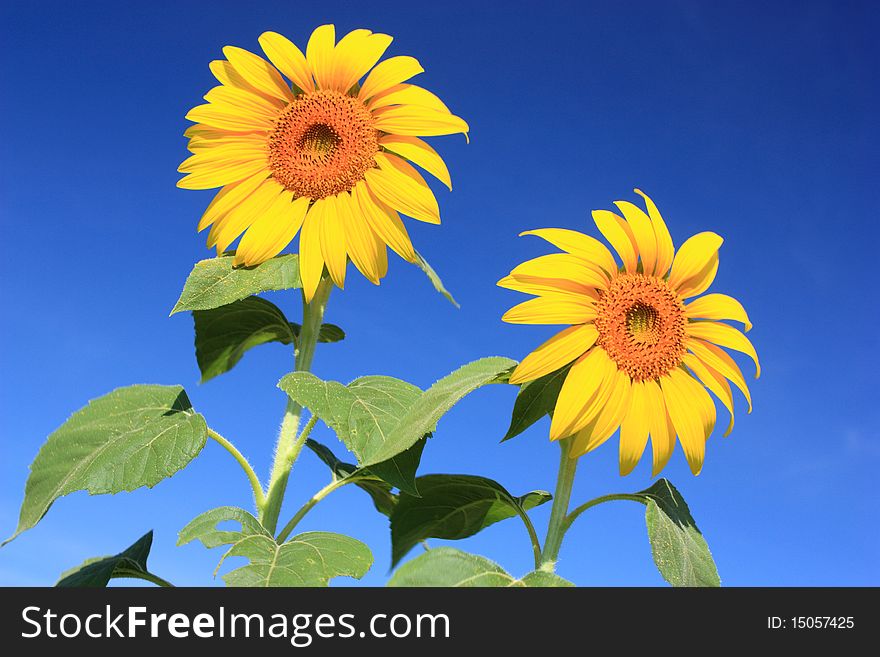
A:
(759, 123)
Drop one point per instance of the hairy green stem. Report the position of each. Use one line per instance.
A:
(259, 499)
(561, 496)
(288, 446)
(571, 517)
(533, 535)
(305, 508)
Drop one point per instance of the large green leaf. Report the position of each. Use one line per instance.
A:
(534, 400)
(132, 437)
(131, 564)
(378, 489)
(423, 414)
(448, 567)
(453, 507)
(215, 282)
(680, 552)
(309, 559)
(434, 278)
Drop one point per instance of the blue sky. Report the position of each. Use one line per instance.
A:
(759, 124)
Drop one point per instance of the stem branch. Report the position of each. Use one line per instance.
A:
(305, 508)
(259, 499)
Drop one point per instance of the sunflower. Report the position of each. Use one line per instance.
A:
(325, 155)
(641, 357)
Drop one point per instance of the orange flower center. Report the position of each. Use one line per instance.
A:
(322, 144)
(641, 323)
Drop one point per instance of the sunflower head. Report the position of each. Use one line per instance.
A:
(643, 345)
(318, 144)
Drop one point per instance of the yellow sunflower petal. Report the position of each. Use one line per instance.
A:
(587, 379)
(389, 73)
(725, 336)
(385, 222)
(319, 54)
(223, 156)
(333, 242)
(415, 120)
(226, 119)
(408, 94)
(221, 175)
(546, 287)
(643, 233)
(355, 54)
(662, 430)
(288, 59)
(258, 72)
(226, 229)
(558, 351)
(571, 241)
(549, 310)
(719, 360)
(400, 186)
(235, 100)
(619, 235)
(714, 381)
(635, 427)
(272, 231)
(694, 259)
(359, 238)
(608, 419)
(311, 262)
(228, 76)
(230, 196)
(689, 407)
(563, 266)
(665, 248)
(419, 152)
(718, 306)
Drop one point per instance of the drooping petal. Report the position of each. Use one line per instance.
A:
(718, 306)
(408, 94)
(385, 222)
(563, 266)
(333, 242)
(689, 407)
(311, 262)
(558, 351)
(662, 430)
(665, 248)
(619, 235)
(225, 230)
(273, 230)
(714, 381)
(221, 175)
(635, 428)
(359, 238)
(230, 196)
(589, 379)
(700, 282)
(725, 336)
(416, 120)
(289, 59)
(400, 186)
(694, 259)
(609, 417)
(571, 241)
(643, 232)
(549, 310)
(419, 152)
(319, 54)
(258, 72)
(389, 73)
(719, 360)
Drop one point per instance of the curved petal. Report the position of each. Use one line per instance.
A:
(355, 54)
(688, 404)
(226, 119)
(557, 352)
(226, 74)
(273, 230)
(725, 336)
(242, 102)
(311, 262)
(259, 73)
(588, 380)
(415, 120)
(719, 360)
(389, 73)
(222, 174)
(718, 306)
(714, 381)
(333, 242)
(549, 310)
(546, 287)
(230, 196)
(408, 94)
(635, 428)
(619, 235)
(583, 246)
(226, 229)
(662, 430)
(609, 417)
(694, 259)
(400, 186)
(288, 59)
(643, 233)
(319, 54)
(419, 152)
(385, 222)
(562, 266)
(361, 242)
(665, 248)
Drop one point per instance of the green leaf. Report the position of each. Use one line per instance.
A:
(132, 437)
(680, 552)
(434, 278)
(453, 507)
(423, 414)
(223, 334)
(379, 490)
(448, 567)
(131, 563)
(534, 400)
(215, 282)
(308, 559)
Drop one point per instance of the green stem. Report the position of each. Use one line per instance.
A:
(305, 508)
(561, 497)
(288, 447)
(259, 499)
(533, 535)
(571, 517)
